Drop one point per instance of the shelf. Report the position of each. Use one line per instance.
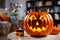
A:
(57, 21)
(30, 1)
(35, 0)
(35, 6)
(55, 12)
(30, 8)
(48, 6)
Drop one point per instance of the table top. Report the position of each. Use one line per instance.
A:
(4, 38)
(12, 36)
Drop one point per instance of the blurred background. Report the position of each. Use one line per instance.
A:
(12, 12)
(51, 6)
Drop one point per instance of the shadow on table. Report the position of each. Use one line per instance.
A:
(4, 38)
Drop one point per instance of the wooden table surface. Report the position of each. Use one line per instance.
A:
(12, 36)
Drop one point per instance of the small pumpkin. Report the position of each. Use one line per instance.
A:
(55, 31)
(20, 32)
(4, 17)
(38, 23)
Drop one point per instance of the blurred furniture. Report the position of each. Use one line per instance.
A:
(5, 28)
(13, 28)
(13, 36)
(4, 24)
(18, 24)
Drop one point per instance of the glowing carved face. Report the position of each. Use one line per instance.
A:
(37, 23)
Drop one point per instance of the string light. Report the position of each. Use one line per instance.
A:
(6, 8)
(16, 4)
(20, 4)
(13, 10)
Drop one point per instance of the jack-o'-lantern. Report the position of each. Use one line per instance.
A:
(38, 23)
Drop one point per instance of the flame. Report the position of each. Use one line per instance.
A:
(31, 27)
(39, 30)
(20, 28)
(31, 18)
(43, 28)
(34, 29)
(37, 23)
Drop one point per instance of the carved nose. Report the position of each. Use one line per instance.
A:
(37, 23)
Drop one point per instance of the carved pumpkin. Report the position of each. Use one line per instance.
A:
(38, 23)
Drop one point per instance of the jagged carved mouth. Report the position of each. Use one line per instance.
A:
(37, 26)
(38, 29)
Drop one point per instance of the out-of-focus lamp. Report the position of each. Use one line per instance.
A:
(6, 8)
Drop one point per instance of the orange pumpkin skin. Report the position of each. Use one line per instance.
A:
(4, 17)
(55, 31)
(38, 24)
(19, 34)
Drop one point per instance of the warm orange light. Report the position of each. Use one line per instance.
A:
(32, 17)
(40, 17)
(34, 29)
(31, 27)
(43, 17)
(37, 23)
(20, 28)
(43, 28)
(39, 30)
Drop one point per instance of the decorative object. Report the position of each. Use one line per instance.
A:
(38, 23)
(14, 7)
(55, 30)
(4, 17)
(20, 32)
(13, 18)
(48, 3)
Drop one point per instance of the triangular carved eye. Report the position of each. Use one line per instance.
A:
(42, 17)
(32, 17)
